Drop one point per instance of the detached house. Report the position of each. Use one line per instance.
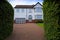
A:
(28, 13)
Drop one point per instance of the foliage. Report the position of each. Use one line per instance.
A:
(40, 24)
(39, 21)
(51, 12)
(6, 19)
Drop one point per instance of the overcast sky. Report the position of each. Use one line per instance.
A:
(24, 2)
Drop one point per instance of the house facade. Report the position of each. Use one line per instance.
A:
(28, 13)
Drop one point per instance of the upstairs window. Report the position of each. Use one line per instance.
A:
(38, 9)
(17, 10)
(22, 10)
(30, 11)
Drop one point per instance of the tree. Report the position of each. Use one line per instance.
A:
(6, 19)
(51, 12)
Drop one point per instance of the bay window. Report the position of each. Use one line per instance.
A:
(38, 16)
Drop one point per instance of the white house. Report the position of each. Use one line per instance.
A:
(28, 13)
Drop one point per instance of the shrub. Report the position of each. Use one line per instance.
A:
(39, 21)
(51, 12)
(6, 19)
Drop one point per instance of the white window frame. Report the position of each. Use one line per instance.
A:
(17, 10)
(30, 10)
(22, 10)
(38, 16)
(38, 9)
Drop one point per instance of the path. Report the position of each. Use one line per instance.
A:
(28, 31)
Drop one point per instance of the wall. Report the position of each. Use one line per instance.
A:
(26, 13)
(19, 14)
(38, 13)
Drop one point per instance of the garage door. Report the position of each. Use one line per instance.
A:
(20, 20)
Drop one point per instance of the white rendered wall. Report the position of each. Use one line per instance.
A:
(26, 13)
(38, 13)
(32, 14)
(19, 14)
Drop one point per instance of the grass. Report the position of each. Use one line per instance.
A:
(40, 24)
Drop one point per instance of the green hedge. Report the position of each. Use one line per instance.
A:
(51, 10)
(38, 21)
(6, 19)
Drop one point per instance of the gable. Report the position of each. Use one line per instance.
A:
(37, 5)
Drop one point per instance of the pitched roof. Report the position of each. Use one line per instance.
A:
(26, 6)
(38, 3)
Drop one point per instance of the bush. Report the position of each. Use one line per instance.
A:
(39, 21)
(51, 12)
(6, 19)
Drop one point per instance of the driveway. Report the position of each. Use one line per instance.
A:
(28, 31)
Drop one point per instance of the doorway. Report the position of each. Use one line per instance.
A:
(30, 18)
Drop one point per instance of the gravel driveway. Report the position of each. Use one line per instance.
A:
(28, 31)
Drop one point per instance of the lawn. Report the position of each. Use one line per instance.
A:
(40, 24)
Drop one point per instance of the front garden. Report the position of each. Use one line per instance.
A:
(40, 25)
(51, 25)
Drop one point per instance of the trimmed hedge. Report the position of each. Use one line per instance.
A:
(38, 21)
(6, 19)
(51, 10)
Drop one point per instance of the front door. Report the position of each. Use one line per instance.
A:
(30, 18)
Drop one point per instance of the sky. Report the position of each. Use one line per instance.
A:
(23, 2)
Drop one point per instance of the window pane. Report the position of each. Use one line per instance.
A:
(22, 10)
(38, 16)
(30, 11)
(38, 9)
(17, 10)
